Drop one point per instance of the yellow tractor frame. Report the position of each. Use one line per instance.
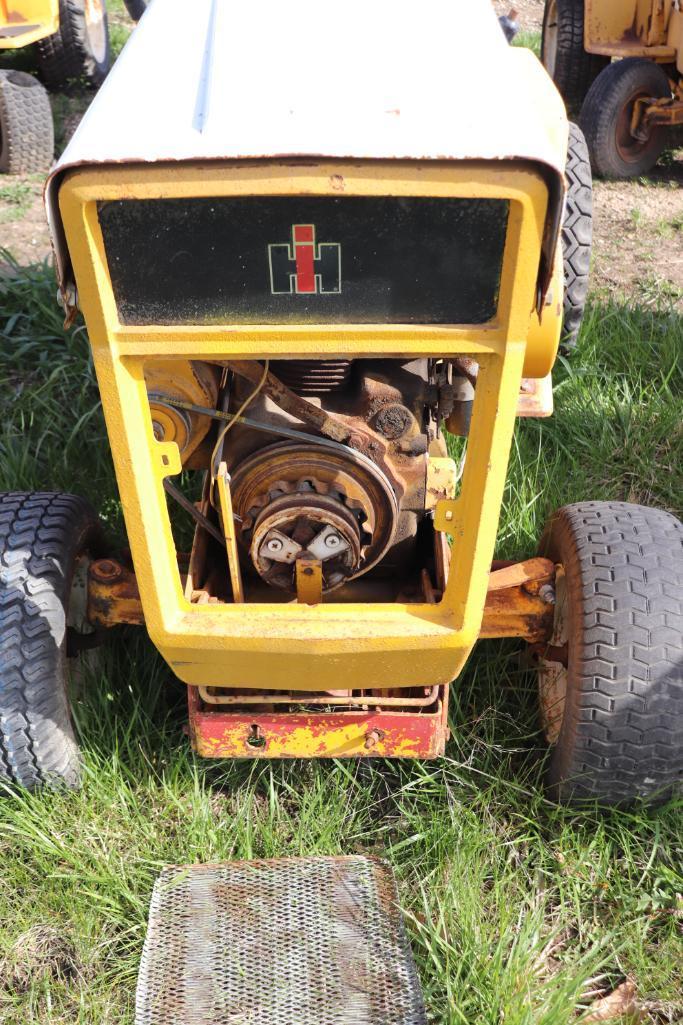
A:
(635, 28)
(286, 646)
(23, 22)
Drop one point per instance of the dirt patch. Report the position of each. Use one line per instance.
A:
(23, 228)
(43, 953)
(529, 12)
(638, 237)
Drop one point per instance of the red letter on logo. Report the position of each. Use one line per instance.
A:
(304, 246)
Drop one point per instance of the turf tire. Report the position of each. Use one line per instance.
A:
(572, 69)
(42, 535)
(577, 236)
(621, 729)
(26, 132)
(614, 153)
(70, 55)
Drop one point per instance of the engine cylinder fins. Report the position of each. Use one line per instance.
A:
(297, 499)
(313, 376)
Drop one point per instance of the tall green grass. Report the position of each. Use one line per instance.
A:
(519, 911)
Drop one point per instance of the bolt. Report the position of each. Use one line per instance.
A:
(106, 569)
(332, 541)
(372, 737)
(274, 545)
(308, 572)
(547, 594)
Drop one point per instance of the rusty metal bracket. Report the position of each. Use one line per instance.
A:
(520, 601)
(228, 525)
(113, 595)
(309, 580)
(648, 113)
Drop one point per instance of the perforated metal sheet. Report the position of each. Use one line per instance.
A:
(300, 941)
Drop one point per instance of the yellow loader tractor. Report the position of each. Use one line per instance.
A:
(71, 38)
(320, 286)
(619, 67)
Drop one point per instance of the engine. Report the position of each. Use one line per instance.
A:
(328, 462)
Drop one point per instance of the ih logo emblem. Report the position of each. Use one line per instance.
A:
(304, 266)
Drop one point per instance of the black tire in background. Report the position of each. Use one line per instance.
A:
(614, 713)
(42, 538)
(571, 68)
(79, 50)
(606, 118)
(577, 236)
(26, 131)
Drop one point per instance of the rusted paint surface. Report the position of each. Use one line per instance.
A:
(113, 595)
(343, 734)
(535, 397)
(519, 601)
(629, 28)
(514, 605)
(665, 112)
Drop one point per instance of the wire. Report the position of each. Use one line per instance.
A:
(221, 436)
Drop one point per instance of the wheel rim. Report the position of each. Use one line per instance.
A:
(630, 149)
(549, 54)
(96, 29)
(552, 676)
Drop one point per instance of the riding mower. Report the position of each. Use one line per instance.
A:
(315, 313)
(627, 108)
(71, 38)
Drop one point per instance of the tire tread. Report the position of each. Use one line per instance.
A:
(26, 127)
(622, 734)
(41, 534)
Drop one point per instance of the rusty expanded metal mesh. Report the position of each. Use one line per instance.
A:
(300, 941)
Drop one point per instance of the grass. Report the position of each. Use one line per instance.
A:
(17, 197)
(519, 911)
(529, 39)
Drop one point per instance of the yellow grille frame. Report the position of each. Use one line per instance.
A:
(275, 646)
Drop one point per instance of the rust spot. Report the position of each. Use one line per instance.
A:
(337, 182)
(113, 595)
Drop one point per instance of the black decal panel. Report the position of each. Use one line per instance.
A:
(289, 260)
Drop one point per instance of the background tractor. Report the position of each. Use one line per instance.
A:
(71, 40)
(619, 67)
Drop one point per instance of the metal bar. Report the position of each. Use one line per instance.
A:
(257, 425)
(309, 581)
(192, 509)
(327, 423)
(319, 699)
(228, 523)
(536, 571)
